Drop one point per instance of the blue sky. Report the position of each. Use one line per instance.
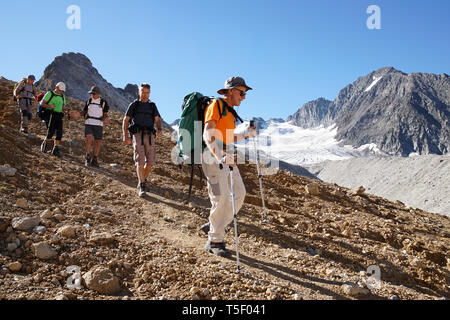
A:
(290, 52)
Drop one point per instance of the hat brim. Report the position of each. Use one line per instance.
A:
(223, 91)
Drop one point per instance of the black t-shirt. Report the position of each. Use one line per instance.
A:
(142, 114)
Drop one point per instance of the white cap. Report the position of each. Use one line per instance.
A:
(61, 86)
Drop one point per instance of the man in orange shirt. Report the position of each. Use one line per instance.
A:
(218, 157)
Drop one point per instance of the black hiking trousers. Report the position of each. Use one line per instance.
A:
(56, 124)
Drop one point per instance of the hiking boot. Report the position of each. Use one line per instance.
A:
(88, 159)
(205, 228)
(217, 248)
(146, 188)
(94, 162)
(56, 152)
(142, 190)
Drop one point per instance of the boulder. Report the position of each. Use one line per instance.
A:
(101, 280)
(66, 232)
(43, 251)
(102, 238)
(25, 224)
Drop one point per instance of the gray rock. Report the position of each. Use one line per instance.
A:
(7, 171)
(46, 214)
(25, 224)
(43, 251)
(12, 247)
(39, 230)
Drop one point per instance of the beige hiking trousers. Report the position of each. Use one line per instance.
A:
(219, 191)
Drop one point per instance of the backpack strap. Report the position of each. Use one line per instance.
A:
(102, 104)
(228, 109)
(52, 94)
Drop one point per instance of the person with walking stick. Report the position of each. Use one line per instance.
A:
(54, 104)
(226, 189)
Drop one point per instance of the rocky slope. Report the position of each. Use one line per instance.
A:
(401, 113)
(319, 243)
(312, 114)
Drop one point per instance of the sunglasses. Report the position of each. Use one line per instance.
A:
(241, 92)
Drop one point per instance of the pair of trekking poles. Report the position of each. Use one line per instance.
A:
(234, 201)
(44, 144)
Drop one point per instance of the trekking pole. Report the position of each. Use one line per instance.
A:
(18, 113)
(44, 144)
(70, 139)
(259, 177)
(235, 220)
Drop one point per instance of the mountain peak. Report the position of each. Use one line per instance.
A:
(79, 75)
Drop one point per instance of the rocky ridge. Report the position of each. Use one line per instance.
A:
(401, 113)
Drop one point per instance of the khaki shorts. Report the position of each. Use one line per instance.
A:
(144, 153)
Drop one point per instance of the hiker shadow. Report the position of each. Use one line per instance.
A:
(353, 260)
(297, 277)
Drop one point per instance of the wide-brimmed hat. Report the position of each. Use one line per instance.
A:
(233, 82)
(95, 90)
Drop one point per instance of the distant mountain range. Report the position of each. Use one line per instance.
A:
(400, 113)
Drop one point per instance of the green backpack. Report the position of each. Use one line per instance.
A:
(191, 126)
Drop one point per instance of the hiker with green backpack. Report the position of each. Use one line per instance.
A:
(54, 106)
(214, 120)
(138, 128)
(24, 92)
